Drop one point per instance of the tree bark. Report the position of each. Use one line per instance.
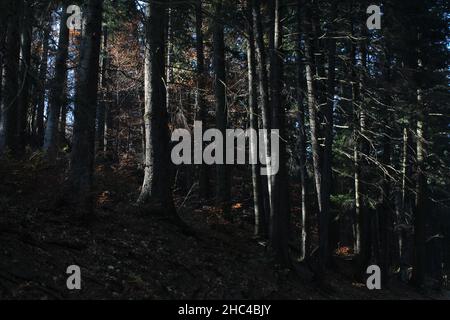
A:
(421, 189)
(204, 175)
(265, 108)
(102, 105)
(280, 212)
(156, 187)
(57, 90)
(302, 136)
(82, 157)
(253, 115)
(10, 82)
(40, 130)
(24, 82)
(222, 177)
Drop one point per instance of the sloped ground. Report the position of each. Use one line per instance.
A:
(124, 254)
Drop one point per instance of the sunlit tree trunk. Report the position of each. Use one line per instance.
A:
(263, 84)
(157, 185)
(40, 130)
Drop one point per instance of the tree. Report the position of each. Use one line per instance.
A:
(41, 85)
(156, 188)
(25, 76)
(57, 91)
(222, 178)
(204, 183)
(103, 104)
(10, 81)
(253, 115)
(263, 84)
(302, 133)
(280, 201)
(82, 157)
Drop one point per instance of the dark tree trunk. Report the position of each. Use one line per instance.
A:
(253, 115)
(10, 82)
(40, 130)
(222, 177)
(327, 242)
(57, 90)
(25, 78)
(265, 109)
(157, 187)
(421, 196)
(313, 115)
(302, 136)
(280, 199)
(386, 213)
(82, 157)
(204, 183)
(3, 29)
(361, 151)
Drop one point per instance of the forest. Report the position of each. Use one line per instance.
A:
(224, 149)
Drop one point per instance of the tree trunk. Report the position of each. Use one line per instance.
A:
(222, 177)
(82, 157)
(156, 187)
(40, 130)
(57, 90)
(253, 115)
(102, 106)
(325, 216)
(313, 119)
(386, 214)
(204, 183)
(24, 82)
(10, 82)
(3, 29)
(265, 109)
(421, 189)
(302, 137)
(280, 198)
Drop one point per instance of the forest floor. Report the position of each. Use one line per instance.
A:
(128, 255)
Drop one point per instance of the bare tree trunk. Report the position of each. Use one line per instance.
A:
(280, 213)
(40, 130)
(385, 213)
(56, 99)
(265, 112)
(3, 30)
(253, 111)
(327, 161)
(204, 183)
(157, 185)
(361, 150)
(102, 105)
(222, 177)
(421, 189)
(10, 82)
(82, 157)
(24, 82)
(313, 119)
(169, 69)
(302, 136)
